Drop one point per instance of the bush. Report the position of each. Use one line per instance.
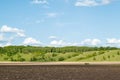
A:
(109, 57)
(61, 59)
(81, 58)
(88, 56)
(33, 59)
(5, 58)
(52, 59)
(54, 54)
(22, 59)
(94, 58)
(118, 53)
(75, 54)
(69, 56)
(101, 52)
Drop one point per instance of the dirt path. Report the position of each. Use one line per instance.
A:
(59, 63)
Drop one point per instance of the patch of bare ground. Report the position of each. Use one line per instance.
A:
(59, 72)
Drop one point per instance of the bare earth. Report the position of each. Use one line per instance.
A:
(60, 71)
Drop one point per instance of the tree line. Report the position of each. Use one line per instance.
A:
(11, 50)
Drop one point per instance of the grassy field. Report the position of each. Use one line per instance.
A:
(89, 56)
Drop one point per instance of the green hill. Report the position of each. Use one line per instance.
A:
(55, 54)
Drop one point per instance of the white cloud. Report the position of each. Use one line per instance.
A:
(52, 37)
(31, 41)
(7, 29)
(89, 3)
(8, 44)
(1, 37)
(106, 1)
(91, 42)
(57, 43)
(63, 43)
(86, 3)
(86, 42)
(40, 2)
(5, 41)
(52, 15)
(113, 41)
(20, 34)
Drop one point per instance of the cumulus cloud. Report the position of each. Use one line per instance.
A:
(63, 43)
(57, 43)
(113, 41)
(39, 1)
(86, 42)
(9, 34)
(91, 42)
(7, 29)
(31, 41)
(89, 3)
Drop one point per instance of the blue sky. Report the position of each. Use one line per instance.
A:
(60, 22)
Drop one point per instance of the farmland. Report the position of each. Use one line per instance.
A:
(58, 54)
(59, 72)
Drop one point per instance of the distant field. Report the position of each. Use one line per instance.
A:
(88, 56)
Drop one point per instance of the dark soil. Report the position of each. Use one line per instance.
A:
(59, 72)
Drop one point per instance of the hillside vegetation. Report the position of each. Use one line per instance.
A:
(53, 54)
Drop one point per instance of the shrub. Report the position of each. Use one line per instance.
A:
(81, 58)
(109, 56)
(94, 58)
(101, 52)
(52, 59)
(54, 54)
(118, 53)
(33, 59)
(5, 58)
(75, 54)
(61, 59)
(69, 56)
(22, 59)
